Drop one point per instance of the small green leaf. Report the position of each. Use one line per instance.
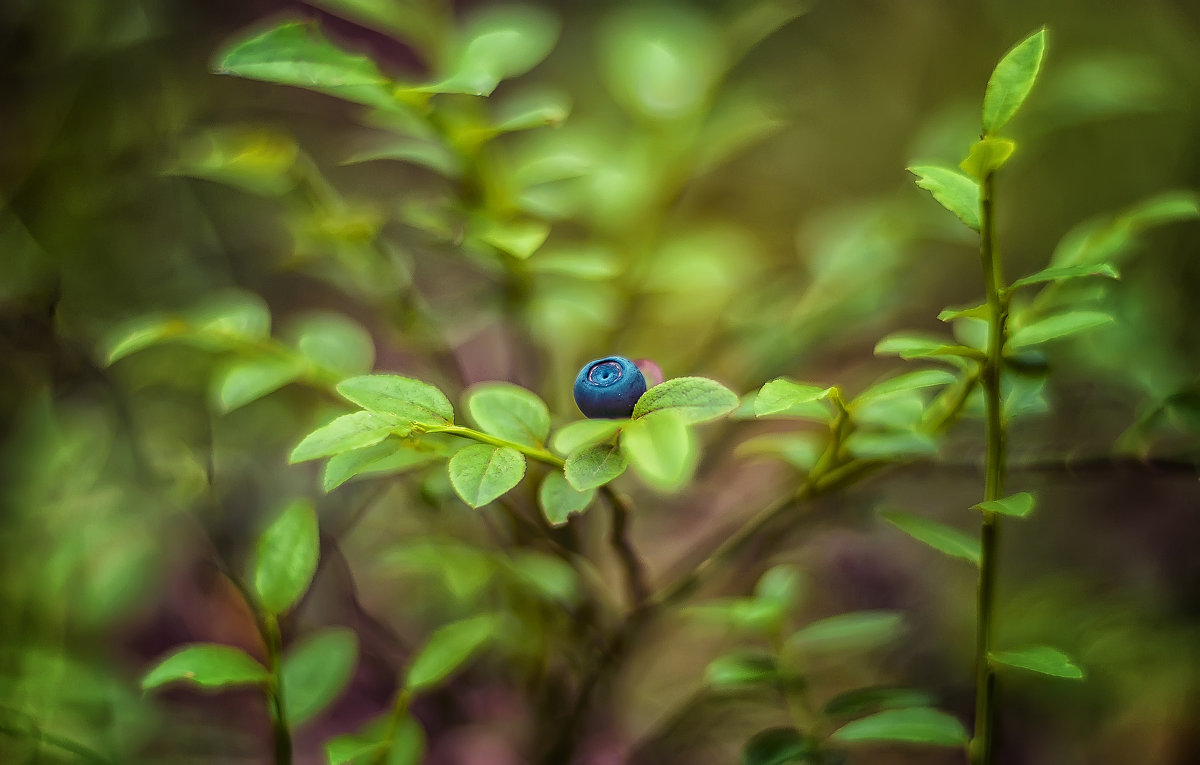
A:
(208, 665)
(1056, 326)
(388, 456)
(900, 411)
(480, 472)
(780, 586)
(1041, 659)
(510, 412)
(407, 399)
(695, 399)
(919, 345)
(749, 614)
(296, 53)
(138, 334)
(857, 631)
(594, 466)
(862, 700)
(259, 160)
(519, 238)
(939, 536)
(1063, 273)
(333, 342)
(499, 43)
(559, 499)
(532, 110)
(228, 319)
(1018, 505)
(406, 747)
(781, 395)
(800, 451)
(448, 649)
(915, 725)
(969, 312)
(661, 449)
(987, 156)
(740, 669)
(1011, 81)
(432, 155)
(890, 445)
(576, 435)
(925, 378)
(247, 381)
(956, 192)
(315, 671)
(549, 577)
(350, 431)
(587, 262)
(778, 746)
(286, 557)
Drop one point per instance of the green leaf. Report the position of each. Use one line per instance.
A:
(915, 725)
(778, 746)
(315, 671)
(286, 557)
(800, 451)
(1056, 326)
(857, 631)
(1018, 505)
(780, 395)
(868, 445)
(861, 700)
(987, 156)
(925, 378)
(749, 614)
(259, 160)
(919, 345)
(519, 238)
(227, 320)
(510, 412)
(575, 435)
(956, 192)
(247, 381)
(742, 668)
(406, 747)
(1011, 81)
(594, 466)
(296, 53)
(141, 333)
(559, 499)
(350, 431)
(433, 155)
(694, 399)
(549, 577)
(333, 342)
(1041, 659)
(388, 456)
(780, 587)
(208, 665)
(499, 43)
(661, 449)
(407, 399)
(480, 472)
(939, 536)
(532, 110)
(448, 649)
(968, 312)
(1063, 273)
(898, 411)
(587, 262)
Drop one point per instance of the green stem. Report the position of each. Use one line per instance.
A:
(279, 723)
(399, 712)
(985, 682)
(541, 455)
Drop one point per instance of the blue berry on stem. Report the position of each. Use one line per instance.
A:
(609, 387)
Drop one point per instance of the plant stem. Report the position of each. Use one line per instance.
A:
(279, 724)
(399, 712)
(635, 575)
(541, 455)
(985, 682)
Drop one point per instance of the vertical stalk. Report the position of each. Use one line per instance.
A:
(399, 712)
(985, 684)
(279, 724)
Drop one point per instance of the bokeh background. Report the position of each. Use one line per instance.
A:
(732, 204)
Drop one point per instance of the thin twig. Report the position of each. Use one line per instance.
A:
(619, 538)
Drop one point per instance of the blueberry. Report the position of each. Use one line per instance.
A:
(609, 387)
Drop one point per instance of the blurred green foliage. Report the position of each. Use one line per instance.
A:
(716, 185)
